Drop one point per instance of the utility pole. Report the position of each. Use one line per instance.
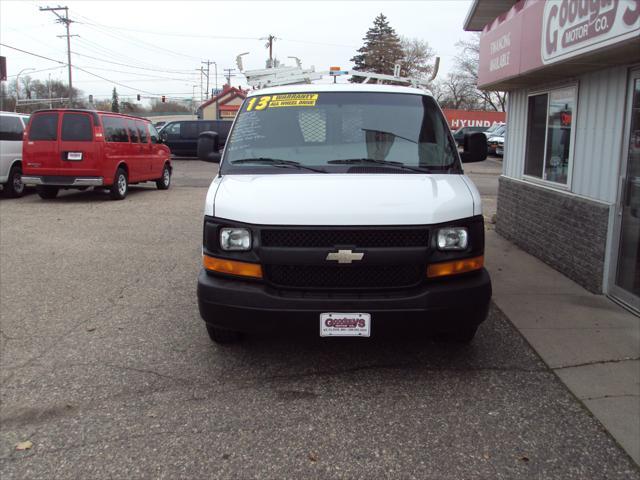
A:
(228, 75)
(66, 22)
(270, 39)
(207, 63)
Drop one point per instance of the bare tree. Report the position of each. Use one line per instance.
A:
(467, 63)
(418, 57)
(456, 92)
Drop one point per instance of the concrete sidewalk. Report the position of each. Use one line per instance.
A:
(590, 342)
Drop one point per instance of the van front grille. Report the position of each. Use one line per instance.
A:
(342, 276)
(329, 238)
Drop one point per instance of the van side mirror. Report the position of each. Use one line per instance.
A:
(208, 146)
(475, 148)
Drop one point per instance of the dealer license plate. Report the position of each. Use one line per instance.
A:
(74, 155)
(345, 324)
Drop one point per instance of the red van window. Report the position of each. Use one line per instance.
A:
(44, 126)
(76, 127)
(142, 131)
(115, 129)
(133, 131)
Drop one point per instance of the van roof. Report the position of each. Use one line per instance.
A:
(339, 87)
(92, 112)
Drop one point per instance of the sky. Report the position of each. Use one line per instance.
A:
(155, 48)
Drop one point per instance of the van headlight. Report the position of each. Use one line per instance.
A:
(235, 239)
(454, 238)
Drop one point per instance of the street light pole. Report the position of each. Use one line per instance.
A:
(15, 108)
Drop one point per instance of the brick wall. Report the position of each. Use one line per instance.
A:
(567, 232)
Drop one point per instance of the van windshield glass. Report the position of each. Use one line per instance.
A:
(336, 130)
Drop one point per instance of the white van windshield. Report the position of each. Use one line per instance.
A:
(335, 131)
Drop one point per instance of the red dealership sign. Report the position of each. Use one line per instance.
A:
(535, 33)
(472, 118)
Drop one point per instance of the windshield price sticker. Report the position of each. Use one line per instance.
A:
(286, 100)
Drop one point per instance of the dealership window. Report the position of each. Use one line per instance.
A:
(549, 135)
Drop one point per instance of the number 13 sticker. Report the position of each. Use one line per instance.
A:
(262, 103)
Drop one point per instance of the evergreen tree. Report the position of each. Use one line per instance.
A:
(115, 104)
(381, 51)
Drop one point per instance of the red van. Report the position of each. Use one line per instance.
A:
(68, 148)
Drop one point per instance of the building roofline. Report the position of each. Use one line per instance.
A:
(483, 12)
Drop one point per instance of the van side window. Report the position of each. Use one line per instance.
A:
(133, 131)
(189, 130)
(172, 129)
(115, 129)
(10, 128)
(76, 127)
(154, 134)
(142, 132)
(44, 126)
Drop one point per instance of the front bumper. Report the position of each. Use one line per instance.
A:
(60, 181)
(247, 306)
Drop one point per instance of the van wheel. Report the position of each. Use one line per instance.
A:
(120, 187)
(14, 186)
(164, 182)
(219, 335)
(47, 191)
(461, 335)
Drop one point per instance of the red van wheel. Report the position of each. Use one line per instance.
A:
(47, 191)
(163, 182)
(120, 185)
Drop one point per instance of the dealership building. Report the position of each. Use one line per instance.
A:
(570, 187)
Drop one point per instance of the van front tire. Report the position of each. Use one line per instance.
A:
(120, 187)
(219, 335)
(164, 182)
(47, 192)
(14, 187)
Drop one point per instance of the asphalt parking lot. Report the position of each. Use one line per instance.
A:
(107, 369)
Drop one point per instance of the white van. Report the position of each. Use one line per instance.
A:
(342, 210)
(11, 131)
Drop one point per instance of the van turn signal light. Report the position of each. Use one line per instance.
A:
(232, 267)
(455, 267)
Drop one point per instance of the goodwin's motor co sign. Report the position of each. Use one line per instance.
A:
(535, 33)
(569, 26)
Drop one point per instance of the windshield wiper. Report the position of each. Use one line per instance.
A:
(348, 161)
(389, 133)
(276, 162)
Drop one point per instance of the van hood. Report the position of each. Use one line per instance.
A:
(341, 199)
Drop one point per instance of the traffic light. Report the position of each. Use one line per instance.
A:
(138, 97)
(164, 99)
(90, 98)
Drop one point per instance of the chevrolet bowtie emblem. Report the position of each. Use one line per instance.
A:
(345, 256)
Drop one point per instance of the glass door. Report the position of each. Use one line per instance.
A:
(626, 272)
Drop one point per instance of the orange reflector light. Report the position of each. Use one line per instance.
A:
(453, 268)
(232, 267)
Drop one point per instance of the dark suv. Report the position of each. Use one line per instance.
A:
(182, 137)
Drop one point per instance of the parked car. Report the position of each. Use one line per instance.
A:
(68, 148)
(495, 143)
(459, 134)
(182, 137)
(489, 132)
(342, 210)
(11, 132)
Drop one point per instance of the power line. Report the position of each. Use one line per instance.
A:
(178, 72)
(41, 70)
(33, 54)
(149, 46)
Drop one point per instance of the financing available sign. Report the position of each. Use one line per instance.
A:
(570, 27)
(536, 33)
